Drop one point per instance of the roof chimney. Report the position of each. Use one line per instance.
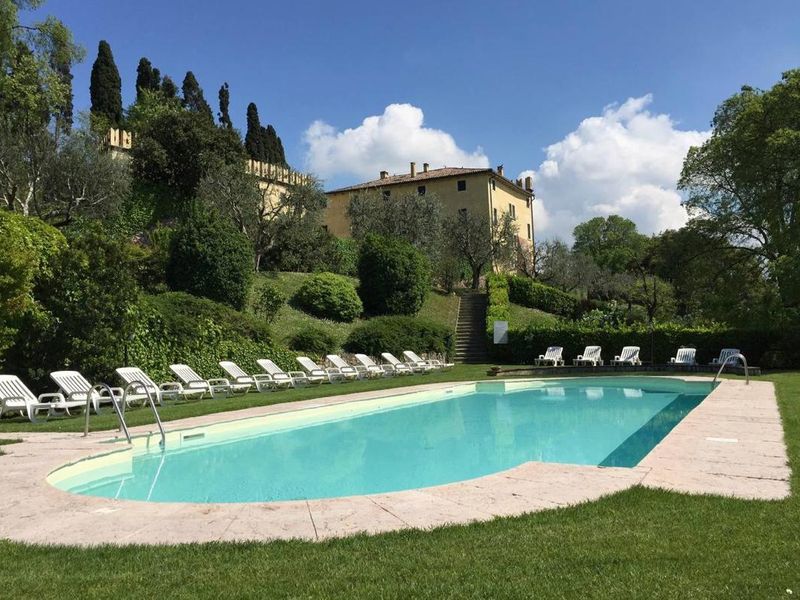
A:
(425, 167)
(413, 169)
(500, 170)
(519, 182)
(384, 174)
(529, 183)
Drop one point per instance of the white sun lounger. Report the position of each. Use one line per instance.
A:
(137, 383)
(684, 356)
(281, 377)
(374, 369)
(724, 355)
(402, 367)
(589, 358)
(628, 356)
(413, 358)
(317, 374)
(239, 377)
(349, 371)
(15, 397)
(75, 388)
(192, 381)
(551, 358)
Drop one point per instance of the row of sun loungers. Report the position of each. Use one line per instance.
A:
(591, 357)
(74, 388)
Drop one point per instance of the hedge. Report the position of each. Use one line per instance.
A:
(499, 307)
(179, 328)
(313, 340)
(765, 348)
(527, 292)
(398, 333)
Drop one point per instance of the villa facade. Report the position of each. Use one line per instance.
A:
(481, 191)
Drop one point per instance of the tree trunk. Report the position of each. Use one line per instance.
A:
(476, 277)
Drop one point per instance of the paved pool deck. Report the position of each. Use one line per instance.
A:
(731, 445)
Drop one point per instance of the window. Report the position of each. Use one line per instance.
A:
(421, 190)
(494, 184)
(512, 210)
(324, 228)
(529, 231)
(494, 216)
(387, 193)
(462, 185)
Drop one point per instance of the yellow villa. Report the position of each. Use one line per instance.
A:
(481, 191)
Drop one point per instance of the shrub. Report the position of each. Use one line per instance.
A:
(268, 302)
(394, 276)
(395, 334)
(177, 327)
(87, 310)
(498, 308)
(329, 296)
(314, 340)
(343, 256)
(527, 292)
(210, 258)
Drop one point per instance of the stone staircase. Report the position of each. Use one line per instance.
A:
(471, 329)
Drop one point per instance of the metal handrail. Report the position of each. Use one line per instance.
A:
(149, 393)
(117, 410)
(727, 360)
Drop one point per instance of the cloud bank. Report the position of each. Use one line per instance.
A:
(626, 161)
(384, 142)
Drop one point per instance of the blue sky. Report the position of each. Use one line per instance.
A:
(503, 81)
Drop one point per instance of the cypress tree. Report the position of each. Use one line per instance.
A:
(156, 81)
(266, 144)
(144, 77)
(168, 87)
(254, 138)
(193, 97)
(224, 105)
(105, 87)
(65, 114)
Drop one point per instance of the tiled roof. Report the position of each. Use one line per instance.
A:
(407, 178)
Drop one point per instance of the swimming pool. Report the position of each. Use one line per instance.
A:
(401, 442)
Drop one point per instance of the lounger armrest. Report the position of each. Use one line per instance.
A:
(617, 357)
(10, 398)
(672, 360)
(57, 396)
(541, 357)
(580, 357)
(219, 381)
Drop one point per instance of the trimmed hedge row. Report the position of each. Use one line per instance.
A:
(176, 327)
(398, 333)
(768, 349)
(527, 292)
(499, 305)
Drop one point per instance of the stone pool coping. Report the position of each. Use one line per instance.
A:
(731, 444)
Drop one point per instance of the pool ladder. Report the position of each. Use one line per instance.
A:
(734, 357)
(120, 411)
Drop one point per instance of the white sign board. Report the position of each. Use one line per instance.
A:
(501, 332)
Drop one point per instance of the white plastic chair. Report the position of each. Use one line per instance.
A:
(192, 381)
(724, 355)
(138, 383)
(75, 388)
(349, 371)
(374, 369)
(281, 377)
(628, 356)
(590, 357)
(15, 397)
(317, 374)
(551, 358)
(414, 358)
(684, 356)
(239, 377)
(401, 367)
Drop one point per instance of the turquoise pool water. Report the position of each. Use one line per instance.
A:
(406, 442)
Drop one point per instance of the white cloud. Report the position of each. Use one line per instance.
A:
(626, 161)
(384, 142)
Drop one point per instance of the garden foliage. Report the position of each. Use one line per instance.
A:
(398, 333)
(329, 296)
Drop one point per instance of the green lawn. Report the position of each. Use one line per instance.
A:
(522, 316)
(438, 307)
(639, 543)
